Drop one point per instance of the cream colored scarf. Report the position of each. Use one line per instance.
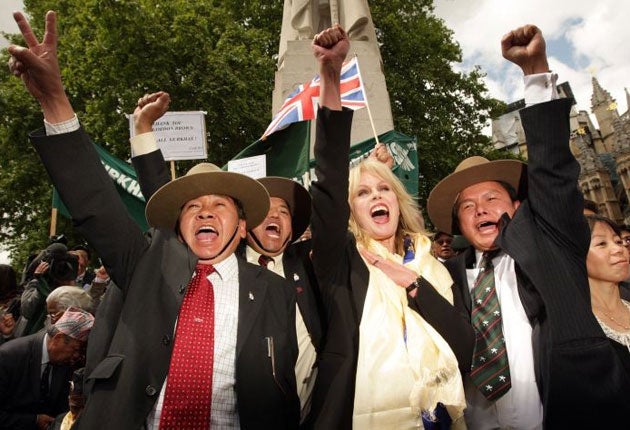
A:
(404, 366)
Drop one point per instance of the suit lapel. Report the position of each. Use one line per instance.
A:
(252, 291)
(457, 267)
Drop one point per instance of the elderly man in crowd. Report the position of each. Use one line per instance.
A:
(35, 371)
(204, 339)
(540, 359)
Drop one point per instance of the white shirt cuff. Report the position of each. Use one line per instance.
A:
(143, 144)
(540, 88)
(62, 127)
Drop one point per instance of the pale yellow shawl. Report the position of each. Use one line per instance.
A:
(396, 379)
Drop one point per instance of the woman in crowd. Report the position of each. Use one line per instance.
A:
(383, 364)
(607, 264)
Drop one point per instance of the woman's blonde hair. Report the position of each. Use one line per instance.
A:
(410, 221)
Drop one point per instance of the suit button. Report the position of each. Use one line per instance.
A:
(166, 340)
(150, 390)
(182, 289)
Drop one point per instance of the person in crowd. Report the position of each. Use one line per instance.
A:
(608, 264)
(99, 285)
(523, 277)
(64, 297)
(35, 370)
(196, 321)
(441, 247)
(9, 302)
(76, 403)
(54, 267)
(271, 244)
(383, 365)
(84, 276)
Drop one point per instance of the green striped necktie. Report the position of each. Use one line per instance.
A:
(490, 370)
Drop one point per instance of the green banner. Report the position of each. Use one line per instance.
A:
(287, 150)
(125, 179)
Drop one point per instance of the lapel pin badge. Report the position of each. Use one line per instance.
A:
(251, 296)
(296, 277)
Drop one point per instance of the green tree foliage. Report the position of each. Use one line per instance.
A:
(217, 56)
(445, 109)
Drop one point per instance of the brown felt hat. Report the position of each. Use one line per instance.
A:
(165, 205)
(296, 197)
(470, 171)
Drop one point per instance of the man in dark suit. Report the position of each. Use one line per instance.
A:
(198, 222)
(561, 366)
(273, 243)
(35, 371)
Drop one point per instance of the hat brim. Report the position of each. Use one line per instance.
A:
(297, 198)
(164, 207)
(444, 194)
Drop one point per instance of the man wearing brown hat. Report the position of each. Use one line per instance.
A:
(271, 244)
(35, 370)
(540, 359)
(204, 339)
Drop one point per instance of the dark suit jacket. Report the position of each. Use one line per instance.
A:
(20, 379)
(298, 269)
(152, 274)
(577, 370)
(343, 279)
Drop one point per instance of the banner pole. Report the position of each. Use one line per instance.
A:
(53, 222)
(172, 170)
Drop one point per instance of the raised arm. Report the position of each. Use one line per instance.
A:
(147, 159)
(329, 220)
(86, 188)
(553, 195)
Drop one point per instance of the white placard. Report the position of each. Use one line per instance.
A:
(179, 135)
(254, 167)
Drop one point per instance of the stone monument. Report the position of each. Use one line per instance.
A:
(302, 19)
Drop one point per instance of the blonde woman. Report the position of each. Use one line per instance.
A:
(389, 354)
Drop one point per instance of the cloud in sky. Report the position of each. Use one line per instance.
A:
(583, 38)
(7, 24)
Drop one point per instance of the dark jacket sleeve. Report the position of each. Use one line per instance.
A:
(91, 198)
(451, 321)
(152, 172)
(331, 212)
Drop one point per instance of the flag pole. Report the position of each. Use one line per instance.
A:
(334, 12)
(367, 105)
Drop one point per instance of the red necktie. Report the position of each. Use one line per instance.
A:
(188, 396)
(264, 260)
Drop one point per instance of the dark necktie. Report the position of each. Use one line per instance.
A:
(188, 396)
(264, 260)
(44, 386)
(490, 370)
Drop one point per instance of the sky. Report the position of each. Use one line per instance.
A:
(585, 38)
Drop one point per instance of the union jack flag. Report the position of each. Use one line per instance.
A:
(301, 104)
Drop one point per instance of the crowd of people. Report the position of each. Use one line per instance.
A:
(259, 304)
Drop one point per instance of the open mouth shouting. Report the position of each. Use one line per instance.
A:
(487, 226)
(273, 230)
(380, 214)
(206, 232)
